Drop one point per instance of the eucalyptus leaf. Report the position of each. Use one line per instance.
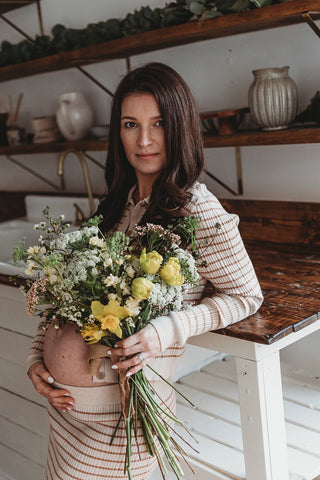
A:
(197, 8)
(212, 13)
(261, 3)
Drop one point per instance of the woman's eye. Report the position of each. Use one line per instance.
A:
(129, 124)
(159, 123)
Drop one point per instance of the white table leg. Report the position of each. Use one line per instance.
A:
(262, 418)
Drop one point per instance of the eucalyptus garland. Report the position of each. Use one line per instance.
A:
(142, 20)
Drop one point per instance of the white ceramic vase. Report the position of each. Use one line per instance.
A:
(74, 116)
(273, 98)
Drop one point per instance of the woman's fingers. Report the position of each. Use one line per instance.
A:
(42, 382)
(61, 399)
(145, 342)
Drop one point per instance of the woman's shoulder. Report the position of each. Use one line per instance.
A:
(206, 205)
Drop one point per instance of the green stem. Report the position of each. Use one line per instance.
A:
(172, 386)
(115, 430)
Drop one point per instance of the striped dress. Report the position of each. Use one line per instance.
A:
(79, 439)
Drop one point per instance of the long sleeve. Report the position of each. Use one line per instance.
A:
(36, 349)
(237, 292)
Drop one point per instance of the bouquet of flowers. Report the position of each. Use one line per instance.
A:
(110, 286)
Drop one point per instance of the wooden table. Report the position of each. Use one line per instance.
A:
(290, 279)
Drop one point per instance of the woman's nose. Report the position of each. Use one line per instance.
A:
(144, 138)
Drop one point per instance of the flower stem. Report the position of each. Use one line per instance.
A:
(172, 386)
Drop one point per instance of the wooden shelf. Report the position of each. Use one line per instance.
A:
(82, 145)
(258, 137)
(7, 6)
(278, 15)
(239, 139)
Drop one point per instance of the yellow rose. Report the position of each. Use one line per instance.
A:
(170, 273)
(150, 262)
(91, 333)
(141, 288)
(109, 315)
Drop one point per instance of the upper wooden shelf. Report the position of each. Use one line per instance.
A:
(7, 6)
(243, 138)
(81, 145)
(292, 135)
(278, 15)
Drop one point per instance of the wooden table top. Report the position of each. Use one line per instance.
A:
(290, 281)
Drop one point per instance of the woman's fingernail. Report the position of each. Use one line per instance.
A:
(109, 352)
(128, 374)
(67, 395)
(71, 403)
(116, 346)
(69, 408)
(114, 367)
(50, 380)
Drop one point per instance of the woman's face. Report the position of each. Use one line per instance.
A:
(142, 135)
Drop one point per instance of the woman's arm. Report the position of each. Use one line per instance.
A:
(237, 292)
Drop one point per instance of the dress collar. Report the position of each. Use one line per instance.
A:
(130, 201)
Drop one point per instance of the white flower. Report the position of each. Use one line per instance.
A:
(30, 268)
(111, 280)
(36, 249)
(130, 271)
(97, 242)
(132, 305)
(119, 262)
(51, 275)
(126, 290)
(114, 296)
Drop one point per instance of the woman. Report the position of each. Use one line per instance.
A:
(154, 160)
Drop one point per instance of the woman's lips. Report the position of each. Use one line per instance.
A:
(146, 156)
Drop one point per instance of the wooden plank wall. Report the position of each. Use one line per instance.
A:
(286, 223)
(23, 417)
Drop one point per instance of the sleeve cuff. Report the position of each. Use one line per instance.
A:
(165, 328)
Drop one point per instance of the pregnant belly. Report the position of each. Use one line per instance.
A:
(66, 356)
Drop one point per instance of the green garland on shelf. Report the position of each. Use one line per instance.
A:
(142, 20)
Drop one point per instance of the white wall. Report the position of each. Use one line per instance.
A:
(219, 74)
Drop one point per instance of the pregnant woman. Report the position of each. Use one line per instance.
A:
(154, 161)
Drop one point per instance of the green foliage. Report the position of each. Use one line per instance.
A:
(116, 244)
(143, 20)
(312, 112)
(19, 252)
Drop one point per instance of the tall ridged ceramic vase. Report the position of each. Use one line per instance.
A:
(273, 98)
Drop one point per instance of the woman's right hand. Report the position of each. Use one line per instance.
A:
(42, 380)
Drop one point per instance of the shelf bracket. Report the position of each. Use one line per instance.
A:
(312, 24)
(239, 175)
(128, 64)
(22, 32)
(94, 80)
(93, 160)
(34, 173)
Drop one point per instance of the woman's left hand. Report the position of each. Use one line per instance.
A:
(138, 350)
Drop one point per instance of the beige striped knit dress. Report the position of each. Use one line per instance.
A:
(79, 439)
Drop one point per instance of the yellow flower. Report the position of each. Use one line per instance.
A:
(150, 262)
(170, 273)
(91, 333)
(109, 315)
(141, 288)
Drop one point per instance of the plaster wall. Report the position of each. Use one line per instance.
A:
(219, 74)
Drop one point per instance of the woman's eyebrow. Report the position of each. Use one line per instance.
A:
(134, 118)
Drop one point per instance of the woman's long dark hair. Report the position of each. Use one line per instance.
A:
(184, 148)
